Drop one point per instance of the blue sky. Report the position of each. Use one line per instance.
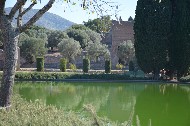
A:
(76, 14)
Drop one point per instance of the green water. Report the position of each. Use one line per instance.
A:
(144, 103)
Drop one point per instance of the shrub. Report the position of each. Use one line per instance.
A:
(119, 66)
(63, 64)
(185, 79)
(72, 67)
(86, 65)
(131, 66)
(37, 113)
(40, 63)
(38, 76)
(107, 66)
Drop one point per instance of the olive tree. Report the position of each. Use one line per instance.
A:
(125, 51)
(69, 48)
(55, 37)
(95, 50)
(79, 35)
(31, 48)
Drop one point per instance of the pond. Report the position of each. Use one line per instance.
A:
(154, 104)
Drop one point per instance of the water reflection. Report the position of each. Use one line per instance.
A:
(146, 104)
(168, 106)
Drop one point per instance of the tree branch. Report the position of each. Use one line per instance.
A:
(25, 11)
(2, 6)
(37, 16)
(21, 13)
(13, 11)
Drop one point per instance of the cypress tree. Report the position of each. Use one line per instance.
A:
(151, 29)
(179, 47)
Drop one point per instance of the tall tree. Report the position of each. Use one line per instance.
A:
(179, 47)
(151, 35)
(10, 41)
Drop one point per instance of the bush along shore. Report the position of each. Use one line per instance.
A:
(71, 75)
(185, 79)
(37, 113)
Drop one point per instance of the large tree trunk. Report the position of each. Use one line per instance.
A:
(10, 40)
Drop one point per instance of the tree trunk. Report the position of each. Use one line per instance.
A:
(10, 40)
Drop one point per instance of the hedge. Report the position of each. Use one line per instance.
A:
(107, 66)
(86, 65)
(61, 76)
(40, 63)
(63, 64)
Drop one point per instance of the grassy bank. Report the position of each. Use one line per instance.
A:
(23, 113)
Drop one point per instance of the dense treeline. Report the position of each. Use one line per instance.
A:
(36, 41)
(162, 38)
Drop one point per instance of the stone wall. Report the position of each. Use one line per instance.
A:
(120, 31)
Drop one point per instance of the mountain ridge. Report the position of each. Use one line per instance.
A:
(48, 20)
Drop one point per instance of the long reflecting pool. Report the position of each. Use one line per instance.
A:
(147, 104)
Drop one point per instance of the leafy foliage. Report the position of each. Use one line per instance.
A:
(86, 65)
(55, 37)
(37, 113)
(151, 35)
(107, 66)
(119, 66)
(95, 50)
(32, 47)
(100, 25)
(40, 64)
(125, 52)
(72, 67)
(179, 46)
(63, 64)
(79, 35)
(69, 48)
(84, 35)
(38, 32)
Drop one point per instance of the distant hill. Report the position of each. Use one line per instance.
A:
(48, 20)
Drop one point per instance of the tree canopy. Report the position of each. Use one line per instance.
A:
(151, 35)
(55, 37)
(100, 25)
(95, 50)
(162, 38)
(69, 48)
(125, 52)
(83, 35)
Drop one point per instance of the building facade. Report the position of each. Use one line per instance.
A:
(120, 31)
